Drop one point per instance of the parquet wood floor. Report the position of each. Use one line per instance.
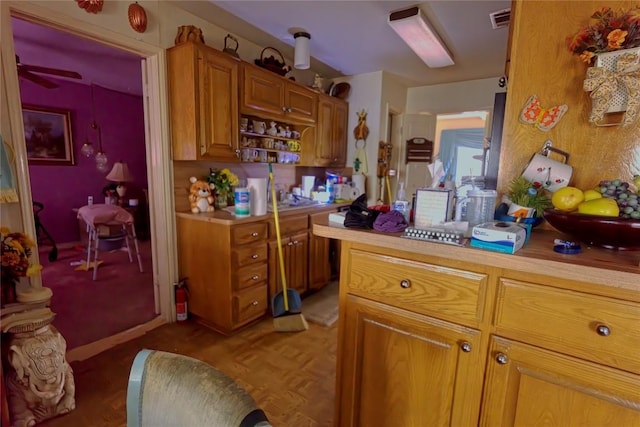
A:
(291, 376)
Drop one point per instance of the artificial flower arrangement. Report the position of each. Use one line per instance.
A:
(530, 195)
(607, 31)
(223, 181)
(16, 251)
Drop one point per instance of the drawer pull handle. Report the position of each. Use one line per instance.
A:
(255, 256)
(256, 277)
(405, 283)
(254, 303)
(465, 346)
(603, 330)
(502, 358)
(255, 234)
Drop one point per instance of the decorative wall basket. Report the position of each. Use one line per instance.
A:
(608, 61)
(271, 63)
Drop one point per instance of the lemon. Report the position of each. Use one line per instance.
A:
(592, 194)
(603, 207)
(567, 198)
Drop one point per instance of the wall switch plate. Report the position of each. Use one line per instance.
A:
(90, 200)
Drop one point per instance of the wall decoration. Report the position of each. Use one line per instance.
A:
(542, 118)
(47, 133)
(188, 33)
(615, 88)
(90, 6)
(137, 17)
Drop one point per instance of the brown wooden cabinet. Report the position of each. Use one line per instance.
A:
(270, 96)
(226, 270)
(203, 102)
(526, 383)
(331, 135)
(457, 336)
(295, 251)
(319, 255)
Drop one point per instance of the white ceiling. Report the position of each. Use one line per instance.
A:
(347, 37)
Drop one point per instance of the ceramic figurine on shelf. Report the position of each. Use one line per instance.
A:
(282, 131)
(273, 130)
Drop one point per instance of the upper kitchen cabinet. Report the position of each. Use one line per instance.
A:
(331, 139)
(203, 101)
(270, 96)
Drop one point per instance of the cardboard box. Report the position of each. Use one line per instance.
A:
(498, 236)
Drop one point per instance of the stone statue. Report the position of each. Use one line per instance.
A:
(41, 384)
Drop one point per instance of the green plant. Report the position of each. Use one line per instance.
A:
(223, 180)
(527, 194)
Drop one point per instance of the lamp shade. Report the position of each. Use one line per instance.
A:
(119, 173)
(302, 59)
(415, 30)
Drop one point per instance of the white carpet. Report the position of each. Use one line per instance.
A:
(322, 307)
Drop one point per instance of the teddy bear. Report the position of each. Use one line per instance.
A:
(200, 196)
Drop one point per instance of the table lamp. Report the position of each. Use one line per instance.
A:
(120, 174)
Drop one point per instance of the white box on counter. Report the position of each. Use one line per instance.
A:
(498, 236)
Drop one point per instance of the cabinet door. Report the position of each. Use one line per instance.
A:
(324, 133)
(300, 103)
(296, 262)
(319, 256)
(218, 106)
(404, 369)
(262, 91)
(339, 141)
(527, 385)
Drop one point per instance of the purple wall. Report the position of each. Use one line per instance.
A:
(62, 188)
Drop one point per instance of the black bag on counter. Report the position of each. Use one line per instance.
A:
(359, 215)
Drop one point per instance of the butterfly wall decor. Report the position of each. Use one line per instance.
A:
(543, 118)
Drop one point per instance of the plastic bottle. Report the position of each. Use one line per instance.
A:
(402, 204)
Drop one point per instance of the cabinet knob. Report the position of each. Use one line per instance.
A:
(284, 109)
(405, 283)
(465, 346)
(290, 244)
(502, 358)
(288, 110)
(255, 234)
(295, 242)
(255, 256)
(603, 330)
(256, 277)
(254, 303)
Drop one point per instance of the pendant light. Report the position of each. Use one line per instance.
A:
(87, 148)
(101, 158)
(302, 59)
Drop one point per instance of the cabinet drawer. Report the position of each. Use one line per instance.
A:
(601, 329)
(246, 255)
(248, 233)
(424, 288)
(250, 276)
(249, 304)
(289, 225)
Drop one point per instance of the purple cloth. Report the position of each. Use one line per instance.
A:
(390, 222)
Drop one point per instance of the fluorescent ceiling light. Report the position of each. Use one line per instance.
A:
(413, 28)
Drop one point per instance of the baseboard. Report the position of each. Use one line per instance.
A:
(89, 350)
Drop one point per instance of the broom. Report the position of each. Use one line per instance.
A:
(284, 320)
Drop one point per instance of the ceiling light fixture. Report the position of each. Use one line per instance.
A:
(302, 58)
(412, 26)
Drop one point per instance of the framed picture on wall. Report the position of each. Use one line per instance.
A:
(47, 132)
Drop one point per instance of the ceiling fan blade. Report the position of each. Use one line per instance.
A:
(36, 79)
(53, 71)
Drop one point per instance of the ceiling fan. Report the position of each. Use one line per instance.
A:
(27, 71)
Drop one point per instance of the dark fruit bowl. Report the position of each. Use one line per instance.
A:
(608, 232)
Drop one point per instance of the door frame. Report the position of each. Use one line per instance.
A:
(158, 151)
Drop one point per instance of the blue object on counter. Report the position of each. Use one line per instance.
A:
(566, 247)
(501, 215)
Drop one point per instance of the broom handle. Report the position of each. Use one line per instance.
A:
(274, 202)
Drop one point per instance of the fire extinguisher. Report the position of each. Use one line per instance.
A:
(181, 300)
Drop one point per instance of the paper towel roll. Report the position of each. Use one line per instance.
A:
(258, 190)
(358, 183)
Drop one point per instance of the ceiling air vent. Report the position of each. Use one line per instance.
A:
(500, 18)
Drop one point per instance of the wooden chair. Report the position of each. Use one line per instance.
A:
(167, 389)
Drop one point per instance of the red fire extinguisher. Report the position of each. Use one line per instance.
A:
(181, 300)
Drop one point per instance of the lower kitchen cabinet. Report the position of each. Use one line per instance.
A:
(399, 368)
(320, 268)
(526, 385)
(295, 252)
(226, 270)
(440, 340)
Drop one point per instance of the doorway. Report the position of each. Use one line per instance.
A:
(161, 209)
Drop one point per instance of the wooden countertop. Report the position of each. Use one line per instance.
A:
(620, 269)
(226, 216)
